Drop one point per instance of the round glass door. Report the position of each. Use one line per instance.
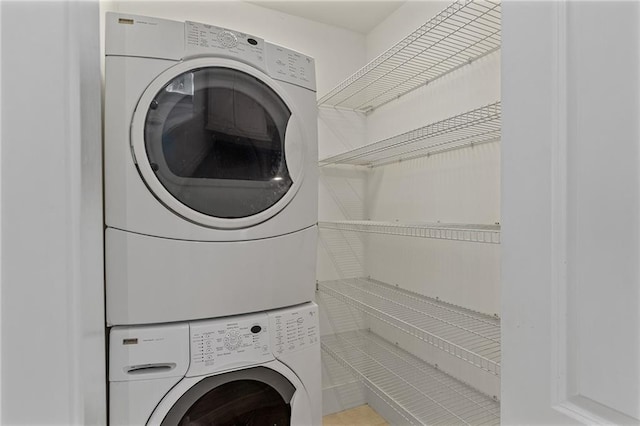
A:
(215, 140)
(235, 399)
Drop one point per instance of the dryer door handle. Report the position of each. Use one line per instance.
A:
(294, 149)
(150, 368)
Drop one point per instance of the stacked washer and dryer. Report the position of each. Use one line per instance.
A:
(211, 212)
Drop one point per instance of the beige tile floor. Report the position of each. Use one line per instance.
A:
(360, 416)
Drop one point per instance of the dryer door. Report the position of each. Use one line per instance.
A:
(255, 396)
(218, 143)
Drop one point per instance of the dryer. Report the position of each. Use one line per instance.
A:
(210, 159)
(252, 369)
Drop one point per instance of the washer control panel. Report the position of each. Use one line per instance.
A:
(294, 329)
(225, 343)
(202, 39)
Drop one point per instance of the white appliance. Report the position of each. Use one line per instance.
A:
(234, 370)
(210, 172)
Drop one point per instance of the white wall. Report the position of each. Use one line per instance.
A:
(402, 22)
(460, 186)
(52, 328)
(341, 195)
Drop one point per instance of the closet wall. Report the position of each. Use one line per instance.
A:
(52, 368)
(460, 186)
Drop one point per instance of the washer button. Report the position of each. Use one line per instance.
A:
(256, 329)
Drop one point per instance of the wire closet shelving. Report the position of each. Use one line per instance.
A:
(419, 392)
(465, 31)
(444, 231)
(463, 333)
(474, 127)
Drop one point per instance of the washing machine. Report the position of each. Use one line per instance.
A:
(254, 369)
(210, 172)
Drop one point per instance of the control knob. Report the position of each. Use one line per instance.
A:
(232, 340)
(227, 39)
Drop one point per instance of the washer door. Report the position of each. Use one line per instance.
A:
(219, 143)
(255, 396)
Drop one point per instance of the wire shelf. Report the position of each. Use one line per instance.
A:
(465, 334)
(465, 31)
(475, 127)
(421, 393)
(443, 231)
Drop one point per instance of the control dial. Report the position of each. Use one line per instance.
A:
(227, 39)
(232, 340)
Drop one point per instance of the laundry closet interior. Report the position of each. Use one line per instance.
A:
(408, 282)
(448, 236)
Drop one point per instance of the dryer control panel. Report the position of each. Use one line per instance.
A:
(226, 343)
(277, 61)
(203, 39)
(290, 66)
